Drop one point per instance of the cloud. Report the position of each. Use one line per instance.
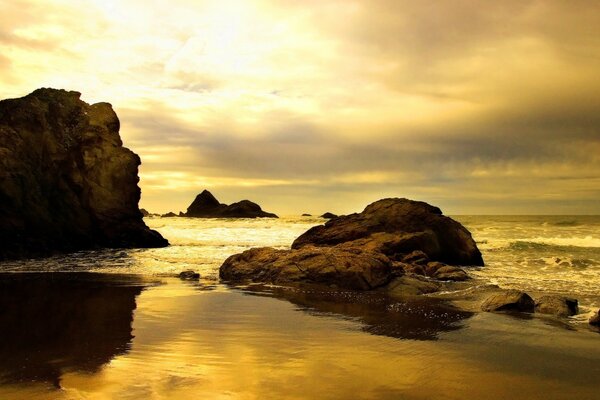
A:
(477, 106)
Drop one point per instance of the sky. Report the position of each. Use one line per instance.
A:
(478, 107)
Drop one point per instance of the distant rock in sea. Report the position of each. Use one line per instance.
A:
(66, 181)
(170, 214)
(328, 215)
(144, 212)
(306, 215)
(207, 206)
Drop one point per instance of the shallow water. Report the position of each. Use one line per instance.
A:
(90, 331)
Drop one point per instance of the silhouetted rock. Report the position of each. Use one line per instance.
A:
(595, 320)
(556, 305)
(350, 269)
(306, 215)
(509, 300)
(144, 212)
(205, 205)
(170, 214)
(408, 226)
(328, 215)
(189, 275)
(66, 181)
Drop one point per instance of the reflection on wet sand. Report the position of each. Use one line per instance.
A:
(417, 318)
(52, 323)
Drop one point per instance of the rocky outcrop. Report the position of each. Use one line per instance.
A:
(144, 212)
(170, 214)
(399, 227)
(205, 205)
(66, 181)
(556, 305)
(361, 254)
(509, 300)
(344, 268)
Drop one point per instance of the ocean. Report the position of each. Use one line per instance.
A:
(178, 339)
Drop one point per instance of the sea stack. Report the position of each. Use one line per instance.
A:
(66, 181)
(205, 205)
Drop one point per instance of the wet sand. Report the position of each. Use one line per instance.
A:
(96, 336)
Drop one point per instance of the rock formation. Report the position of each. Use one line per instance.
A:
(509, 300)
(66, 181)
(557, 305)
(398, 227)
(205, 205)
(371, 250)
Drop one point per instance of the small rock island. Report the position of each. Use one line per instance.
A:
(205, 205)
(66, 181)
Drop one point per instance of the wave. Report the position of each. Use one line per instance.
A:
(544, 242)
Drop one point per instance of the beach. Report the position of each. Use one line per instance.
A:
(119, 324)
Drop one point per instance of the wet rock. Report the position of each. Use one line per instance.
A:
(66, 181)
(189, 275)
(509, 300)
(422, 226)
(416, 257)
(414, 269)
(595, 320)
(410, 286)
(328, 215)
(346, 268)
(445, 272)
(205, 205)
(556, 305)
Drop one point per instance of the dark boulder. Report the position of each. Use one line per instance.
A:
(205, 205)
(509, 300)
(66, 181)
(189, 275)
(556, 305)
(422, 227)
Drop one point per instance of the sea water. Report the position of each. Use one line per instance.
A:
(117, 324)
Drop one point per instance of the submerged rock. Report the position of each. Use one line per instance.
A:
(66, 181)
(189, 275)
(509, 300)
(414, 225)
(205, 205)
(556, 305)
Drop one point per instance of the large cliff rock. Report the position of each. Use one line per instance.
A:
(205, 205)
(66, 181)
(398, 227)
